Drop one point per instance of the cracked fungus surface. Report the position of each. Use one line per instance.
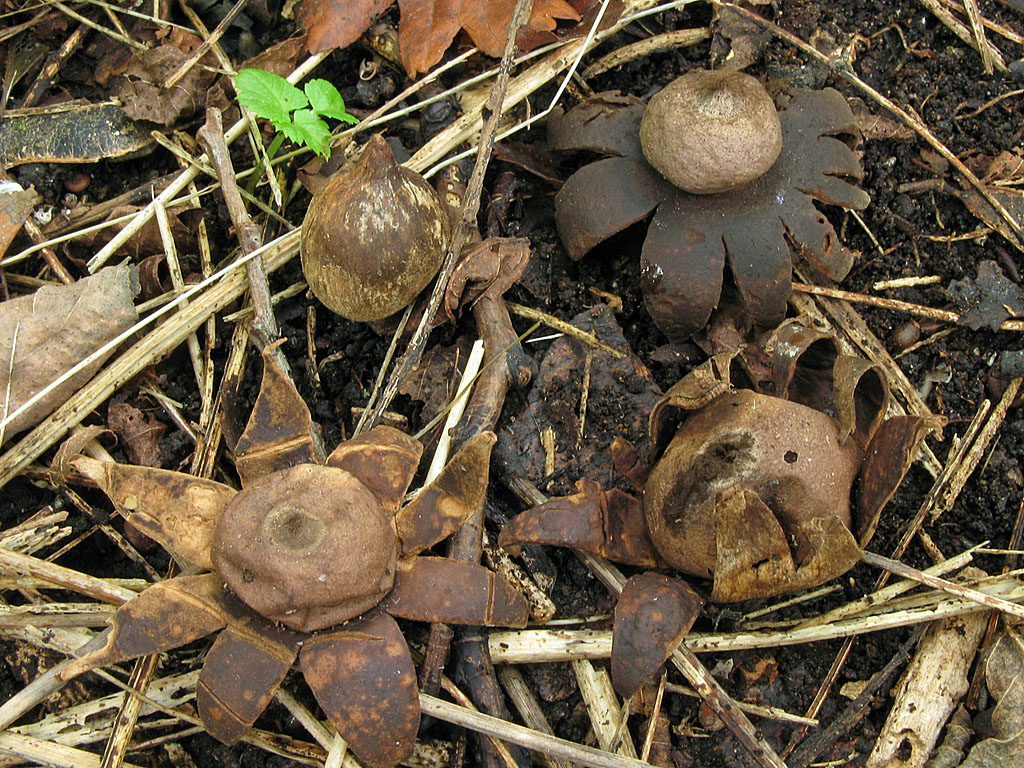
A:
(755, 231)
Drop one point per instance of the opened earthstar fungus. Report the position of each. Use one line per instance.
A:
(373, 237)
(752, 227)
(760, 493)
(309, 561)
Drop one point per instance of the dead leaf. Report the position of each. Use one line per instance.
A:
(873, 126)
(489, 267)
(140, 433)
(15, 206)
(144, 96)
(988, 300)
(48, 332)
(531, 37)
(1004, 672)
(1006, 167)
(428, 27)
(280, 58)
(338, 23)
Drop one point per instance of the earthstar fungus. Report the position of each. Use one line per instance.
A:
(755, 229)
(709, 132)
(309, 561)
(373, 237)
(761, 493)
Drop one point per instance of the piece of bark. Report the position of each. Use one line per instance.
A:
(931, 687)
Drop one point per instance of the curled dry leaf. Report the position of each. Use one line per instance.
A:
(47, 333)
(1004, 672)
(487, 268)
(428, 27)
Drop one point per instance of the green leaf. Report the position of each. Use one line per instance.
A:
(325, 99)
(268, 95)
(310, 130)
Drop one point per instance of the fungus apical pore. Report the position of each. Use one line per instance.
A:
(709, 132)
(373, 237)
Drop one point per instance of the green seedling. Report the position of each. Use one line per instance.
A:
(296, 114)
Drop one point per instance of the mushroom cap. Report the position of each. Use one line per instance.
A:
(373, 237)
(709, 132)
(308, 546)
(785, 452)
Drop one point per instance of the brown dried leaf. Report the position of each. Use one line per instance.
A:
(874, 126)
(427, 27)
(47, 333)
(144, 96)
(1004, 671)
(492, 266)
(140, 433)
(15, 206)
(338, 23)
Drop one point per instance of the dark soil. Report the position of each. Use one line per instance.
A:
(905, 53)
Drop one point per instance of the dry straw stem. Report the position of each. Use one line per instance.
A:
(603, 708)
(547, 645)
(40, 752)
(945, 315)
(772, 713)
(890, 592)
(529, 710)
(932, 684)
(48, 615)
(128, 712)
(989, 601)
(91, 722)
(963, 460)
(60, 577)
(974, 37)
(567, 328)
(524, 737)
(676, 38)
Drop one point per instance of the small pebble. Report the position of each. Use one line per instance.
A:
(77, 184)
(906, 335)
